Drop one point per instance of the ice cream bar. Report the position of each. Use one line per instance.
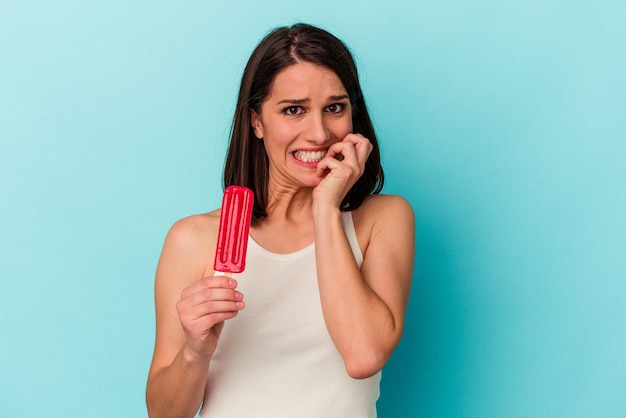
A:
(232, 237)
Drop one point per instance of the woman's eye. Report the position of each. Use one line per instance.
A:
(292, 110)
(336, 107)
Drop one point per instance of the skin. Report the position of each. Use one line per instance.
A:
(307, 114)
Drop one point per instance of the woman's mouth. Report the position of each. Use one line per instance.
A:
(309, 156)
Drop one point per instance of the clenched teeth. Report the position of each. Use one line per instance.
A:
(309, 156)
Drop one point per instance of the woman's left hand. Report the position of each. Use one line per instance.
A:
(342, 166)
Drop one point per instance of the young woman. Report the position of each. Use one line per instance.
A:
(305, 330)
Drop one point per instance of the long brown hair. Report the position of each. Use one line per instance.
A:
(246, 160)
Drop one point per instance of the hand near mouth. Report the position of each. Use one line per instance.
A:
(340, 168)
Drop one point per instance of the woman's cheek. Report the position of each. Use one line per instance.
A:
(342, 129)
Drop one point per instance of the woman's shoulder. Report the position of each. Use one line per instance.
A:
(378, 206)
(197, 223)
(382, 212)
(189, 246)
(195, 230)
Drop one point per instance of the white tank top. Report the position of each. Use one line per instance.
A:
(276, 358)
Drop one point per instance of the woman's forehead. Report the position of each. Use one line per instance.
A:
(304, 80)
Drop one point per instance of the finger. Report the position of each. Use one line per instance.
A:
(217, 294)
(358, 140)
(355, 139)
(362, 145)
(219, 318)
(219, 281)
(212, 294)
(339, 151)
(204, 324)
(212, 307)
(327, 164)
(348, 156)
(209, 282)
(192, 313)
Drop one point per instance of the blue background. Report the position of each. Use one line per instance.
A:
(502, 122)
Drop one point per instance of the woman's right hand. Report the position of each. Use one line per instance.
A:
(202, 310)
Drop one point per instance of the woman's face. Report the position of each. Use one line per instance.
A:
(308, 109)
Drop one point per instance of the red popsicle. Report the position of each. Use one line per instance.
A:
(232, 238)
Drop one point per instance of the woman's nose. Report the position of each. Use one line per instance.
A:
(317, 129)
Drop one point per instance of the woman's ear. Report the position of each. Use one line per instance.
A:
(257, 127)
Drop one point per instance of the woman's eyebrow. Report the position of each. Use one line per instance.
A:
(303, 101)
(294, 101)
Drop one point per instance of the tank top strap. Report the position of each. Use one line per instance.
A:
(348, 227)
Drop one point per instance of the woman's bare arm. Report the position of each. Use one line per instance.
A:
(190, 313)
(364, 308)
